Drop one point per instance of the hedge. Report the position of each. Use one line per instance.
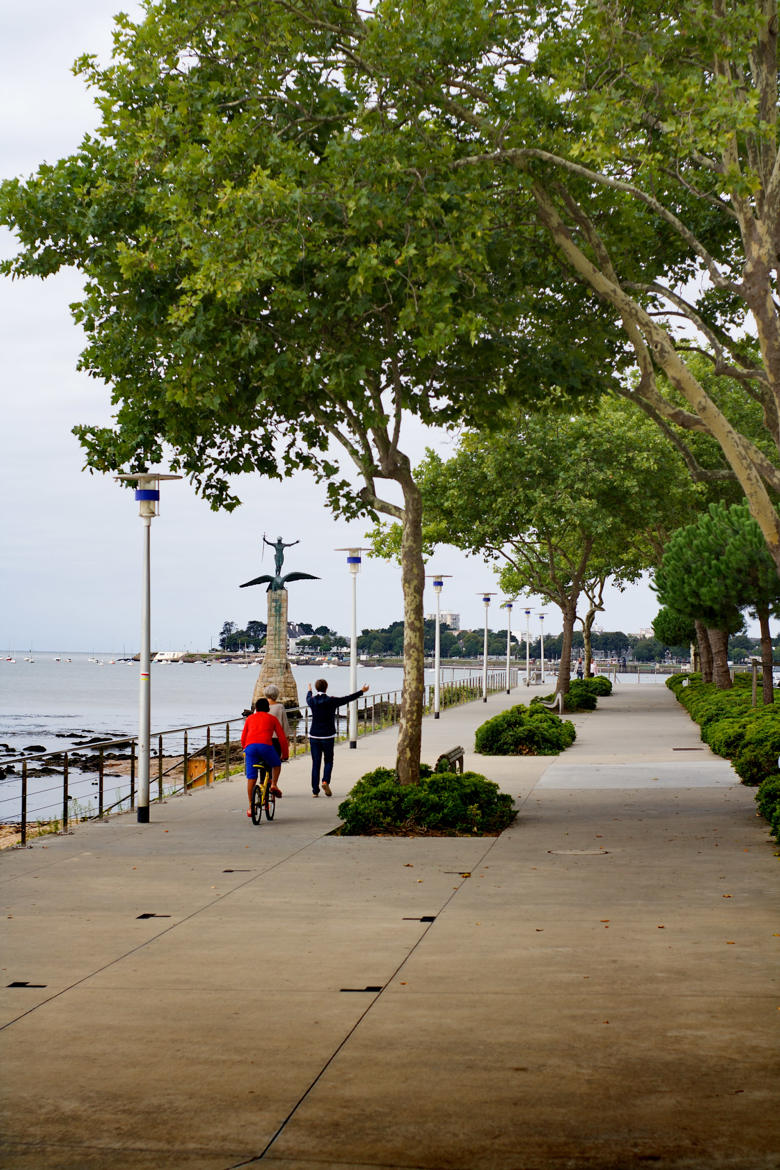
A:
(748, 736)
(524, 731)
(442, 804)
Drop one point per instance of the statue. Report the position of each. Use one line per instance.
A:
(277, 581)
(276, 667)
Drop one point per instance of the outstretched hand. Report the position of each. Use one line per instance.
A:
(364, 688)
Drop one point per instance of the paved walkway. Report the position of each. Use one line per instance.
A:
(595, 988)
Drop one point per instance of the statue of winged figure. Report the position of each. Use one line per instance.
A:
(276, 580)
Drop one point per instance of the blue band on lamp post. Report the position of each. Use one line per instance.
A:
(146, 494)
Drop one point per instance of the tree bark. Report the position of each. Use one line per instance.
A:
(705, 652)
(766, 654)
(413, 582)
(569, 612)
(719, 642)
(587, 630)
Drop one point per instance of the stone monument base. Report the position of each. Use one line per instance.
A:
(276, 665)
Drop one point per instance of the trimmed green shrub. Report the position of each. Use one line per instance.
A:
(446, 804)
(749, 736)
(524, 731)
(580, 697)
(599, 684)
(768, 801)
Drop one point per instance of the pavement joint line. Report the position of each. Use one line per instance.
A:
(375, 996)
(155, 937)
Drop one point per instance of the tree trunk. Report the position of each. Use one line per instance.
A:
(569, 612)
(766, 654)
(719, 641)
(587, 630)
(413, 581)
(705, 652)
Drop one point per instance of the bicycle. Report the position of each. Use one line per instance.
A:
(262, 795)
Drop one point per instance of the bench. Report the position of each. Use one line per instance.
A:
(556, 705)
(451, 761)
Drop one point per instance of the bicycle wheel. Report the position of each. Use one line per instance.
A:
(269, 803)
(257, 803)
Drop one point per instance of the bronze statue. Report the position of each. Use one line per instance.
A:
(277, 581)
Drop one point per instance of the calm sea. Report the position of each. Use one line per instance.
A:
(45, 701)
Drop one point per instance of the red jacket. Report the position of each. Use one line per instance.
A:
(261, 728)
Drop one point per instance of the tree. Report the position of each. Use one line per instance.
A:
(276, 271)
(674, 629)
(643, 137)
(713, 569)
(566, 503)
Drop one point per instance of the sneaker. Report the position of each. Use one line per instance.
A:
(249, 812)
(277, 792)
(326, 788)
(315, 793)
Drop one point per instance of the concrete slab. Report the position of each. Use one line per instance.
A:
(596, 988)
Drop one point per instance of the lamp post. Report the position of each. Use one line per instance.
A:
(507, 605)
(528, 647)
(541, 641)
(486, 600)
(353, 563)
(438, 584)
(147, 493)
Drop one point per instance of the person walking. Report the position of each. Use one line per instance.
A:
(322, 732)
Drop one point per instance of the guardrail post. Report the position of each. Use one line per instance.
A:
(24, 802)
(159, 768)
(186, 760)
(208, 753)
(227, 750)
(132, 774)
(65, 792)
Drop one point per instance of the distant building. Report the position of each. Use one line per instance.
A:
(169, 656)
(450, 620)
(647, 632)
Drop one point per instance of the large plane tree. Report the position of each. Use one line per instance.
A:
(279, 274)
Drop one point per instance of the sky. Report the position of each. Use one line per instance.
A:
(71, 564)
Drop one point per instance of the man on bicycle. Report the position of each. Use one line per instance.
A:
(259, 730)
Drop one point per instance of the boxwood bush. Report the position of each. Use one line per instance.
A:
(748, 736)
(524, 731)
(598, 684)
(581, 696)
(447, 804)
(768, 801)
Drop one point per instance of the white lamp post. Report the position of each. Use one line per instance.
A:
(486, 599)
(528, 647)
(541, 642)
(147, 493)
(438, 584)
(353, 563)
(507, 605)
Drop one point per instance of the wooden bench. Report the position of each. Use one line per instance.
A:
(451, 761)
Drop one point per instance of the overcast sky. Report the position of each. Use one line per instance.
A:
(72, 541)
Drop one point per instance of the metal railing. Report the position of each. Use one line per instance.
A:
(90, 780)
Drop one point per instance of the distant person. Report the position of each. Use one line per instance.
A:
(277, 709)
(322, 732)
(259, 730)
(579, 668)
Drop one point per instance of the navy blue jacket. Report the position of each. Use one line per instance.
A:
(323, 712)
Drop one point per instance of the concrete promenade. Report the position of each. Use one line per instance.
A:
(597, 988)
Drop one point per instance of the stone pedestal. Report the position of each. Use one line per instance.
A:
(276, 665)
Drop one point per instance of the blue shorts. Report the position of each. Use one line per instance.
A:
(260, 753)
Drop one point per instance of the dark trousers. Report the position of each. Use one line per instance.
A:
(321, 751)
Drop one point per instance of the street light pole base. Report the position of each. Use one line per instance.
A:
(353, 743)
(143, 814)
(436, 714)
